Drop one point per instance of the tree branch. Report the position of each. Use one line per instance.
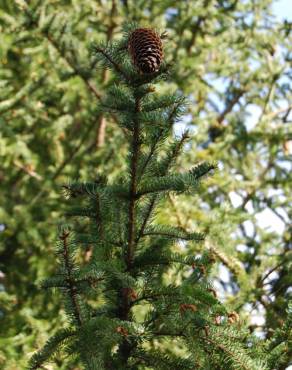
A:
(133, 187)
(154, 198)
(230, 106)
(70, 279)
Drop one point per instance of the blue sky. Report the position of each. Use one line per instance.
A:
(283, 9)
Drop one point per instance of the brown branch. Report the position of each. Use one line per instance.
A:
(272, 270)
(28, 169)
(230, 106)
(100, 135)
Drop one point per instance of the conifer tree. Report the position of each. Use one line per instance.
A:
(114, 256)
(232, 59)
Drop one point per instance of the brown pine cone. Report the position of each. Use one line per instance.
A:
(145, 48)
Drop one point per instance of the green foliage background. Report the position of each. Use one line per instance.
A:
(231, 59)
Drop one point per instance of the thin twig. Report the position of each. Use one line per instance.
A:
(230, 106)
(114, 64)
(28, 169)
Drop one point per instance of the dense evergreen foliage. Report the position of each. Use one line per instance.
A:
(231, 59)
(129, 254)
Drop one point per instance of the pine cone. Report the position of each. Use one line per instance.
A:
(145, 48)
